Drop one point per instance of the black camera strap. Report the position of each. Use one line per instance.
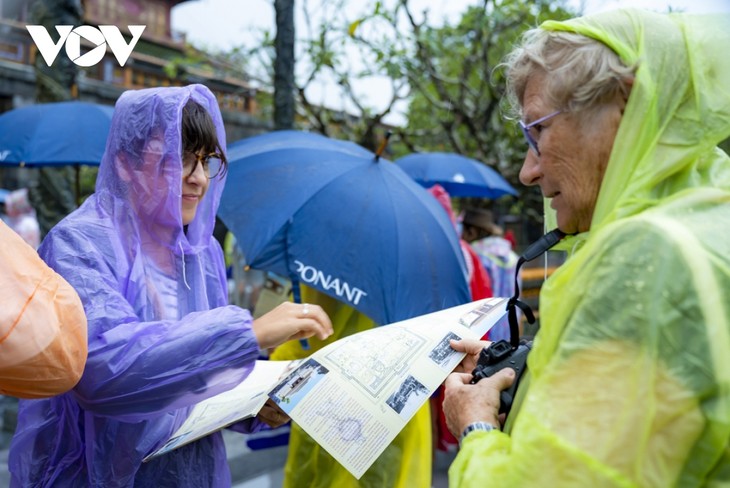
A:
(534, 250)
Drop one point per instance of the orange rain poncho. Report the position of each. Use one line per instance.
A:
(42, 324)
(629, 379)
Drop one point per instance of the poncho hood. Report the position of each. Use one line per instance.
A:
(141, 172)
(677, 113)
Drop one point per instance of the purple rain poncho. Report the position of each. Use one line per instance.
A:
(161, 337)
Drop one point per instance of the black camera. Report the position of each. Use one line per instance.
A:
(500, 355)
(513, 354)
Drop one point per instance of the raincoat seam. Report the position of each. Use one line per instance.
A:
(182, 256)
(22, 312)
(687, 244)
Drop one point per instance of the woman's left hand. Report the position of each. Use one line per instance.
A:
(272, 415)
(289, 321)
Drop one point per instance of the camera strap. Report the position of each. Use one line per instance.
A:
(534, 250)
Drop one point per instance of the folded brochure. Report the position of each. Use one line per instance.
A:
(354, 395)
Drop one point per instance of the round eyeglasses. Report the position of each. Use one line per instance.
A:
(531, 141)
(211, 169)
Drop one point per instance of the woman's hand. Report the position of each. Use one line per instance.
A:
(465, 403)
(472, 348)
(272, 415)
(291, 321)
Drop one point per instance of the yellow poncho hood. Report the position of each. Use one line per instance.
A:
(679, 108)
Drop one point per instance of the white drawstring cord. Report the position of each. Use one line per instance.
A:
(575, 244)
(182, 254)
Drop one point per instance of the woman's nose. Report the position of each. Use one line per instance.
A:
(530, 171)
(197, 175)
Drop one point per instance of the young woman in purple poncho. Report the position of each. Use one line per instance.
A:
(141, 255)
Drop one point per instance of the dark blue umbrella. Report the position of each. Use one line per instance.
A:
(54, 134)
(459, 175)
(326, 213)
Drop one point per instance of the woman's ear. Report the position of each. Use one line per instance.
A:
(626, 85)
(120, 164)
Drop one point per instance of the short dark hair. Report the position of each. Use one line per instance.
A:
(199, 133)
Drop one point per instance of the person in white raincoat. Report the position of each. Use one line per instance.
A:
(628, 383)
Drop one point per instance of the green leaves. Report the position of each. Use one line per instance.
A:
(444, 75)
(353, 27)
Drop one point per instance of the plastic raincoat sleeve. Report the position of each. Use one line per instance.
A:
(136, 368)
(618, 402)
(42, 324)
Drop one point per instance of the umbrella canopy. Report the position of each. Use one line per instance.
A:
(459, 175)
(325, 213)
(54, 134)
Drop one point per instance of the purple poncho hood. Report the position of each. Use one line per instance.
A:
(141, 172)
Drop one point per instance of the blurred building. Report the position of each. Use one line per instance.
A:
(160, 58)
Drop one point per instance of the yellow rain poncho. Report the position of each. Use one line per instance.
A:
(405, 463)
(629, 379)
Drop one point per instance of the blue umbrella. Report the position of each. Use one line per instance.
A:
(54, 134)
(326, 213)
(459, 175)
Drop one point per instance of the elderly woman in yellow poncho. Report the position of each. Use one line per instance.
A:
(628, 383)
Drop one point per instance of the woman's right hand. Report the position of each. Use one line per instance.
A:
(472, 348)
(291, 321)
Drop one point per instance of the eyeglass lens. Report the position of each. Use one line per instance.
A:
(211, 163)
(526, 130)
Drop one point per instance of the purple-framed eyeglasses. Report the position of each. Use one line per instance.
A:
(526, 130)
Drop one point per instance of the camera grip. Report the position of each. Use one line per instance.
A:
(496, 357)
